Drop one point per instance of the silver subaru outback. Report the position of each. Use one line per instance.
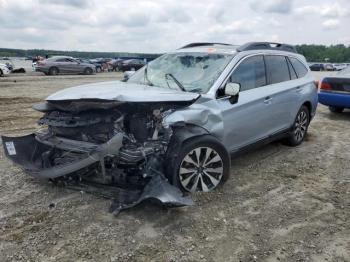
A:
(174, 123)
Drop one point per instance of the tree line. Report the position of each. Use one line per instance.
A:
(313, 53)
(320, 53)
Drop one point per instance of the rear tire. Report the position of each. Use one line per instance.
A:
(299, 128)
(202, 164)
(53, 71)
(88, 71)
(335, 109)
(1, 73)
(98, 69)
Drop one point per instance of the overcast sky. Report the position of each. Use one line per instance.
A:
(162, 25)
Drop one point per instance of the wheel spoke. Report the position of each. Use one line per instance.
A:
(198, 154)
(207, 155)
(213, 180)
(204, 186)
(195, 184)
(186, 181)
(216, 158)
(188, 159)
(214, 170)
(186, 170)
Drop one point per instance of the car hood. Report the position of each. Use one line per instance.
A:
(122, 92)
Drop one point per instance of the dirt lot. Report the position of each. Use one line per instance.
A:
(280, 204)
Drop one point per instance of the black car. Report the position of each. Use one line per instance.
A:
(317, 67)
(130, 65)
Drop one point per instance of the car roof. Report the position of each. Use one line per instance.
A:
(209, 48)
(249, 48)
(60, 56)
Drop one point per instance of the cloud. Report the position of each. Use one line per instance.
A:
(334, 10)
(331, 24)
(243, 26)
(158, 26)
(73, 3)
(272, 6)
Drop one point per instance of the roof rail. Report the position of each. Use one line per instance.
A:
(267, 45)
(203, 44)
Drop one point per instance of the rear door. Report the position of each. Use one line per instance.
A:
(64, 65)
(73, 66)
(282, 91)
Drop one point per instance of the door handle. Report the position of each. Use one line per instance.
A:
(298, 89)
(267, 100)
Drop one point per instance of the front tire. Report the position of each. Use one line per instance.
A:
(1, 73)
(202, 164)
(335, 109)
(299, 128)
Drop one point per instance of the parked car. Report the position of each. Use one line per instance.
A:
(63, 65)
(8, 62)
(335, 91)
(130, 65)
(339, 67)
(4, 70)
(317, 67)
(329, 67)
(177, 119)
(113, 64)
(98, 67)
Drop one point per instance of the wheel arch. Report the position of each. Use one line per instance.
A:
(180, 139)
(308, 106)
(180, 136)
(51, 67)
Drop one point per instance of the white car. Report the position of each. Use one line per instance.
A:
(4, 70)
(339, 67)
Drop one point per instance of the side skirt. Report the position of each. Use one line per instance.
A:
(260, 143)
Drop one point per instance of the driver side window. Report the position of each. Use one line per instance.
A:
(250, 73)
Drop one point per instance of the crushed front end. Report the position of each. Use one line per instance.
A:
(89, 143)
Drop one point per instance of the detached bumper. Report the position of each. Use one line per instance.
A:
(32, 155)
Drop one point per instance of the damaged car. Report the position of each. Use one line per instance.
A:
(171, 126)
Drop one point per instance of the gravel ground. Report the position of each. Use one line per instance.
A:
(280, 203)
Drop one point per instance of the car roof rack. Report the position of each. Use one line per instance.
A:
(203, 44)
(267, 46)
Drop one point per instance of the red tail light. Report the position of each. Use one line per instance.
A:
(325, 86)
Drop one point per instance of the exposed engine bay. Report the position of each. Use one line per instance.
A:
(91, 143)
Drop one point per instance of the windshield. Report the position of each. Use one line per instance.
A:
(345, 71)
(192, 72)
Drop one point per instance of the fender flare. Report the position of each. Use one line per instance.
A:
(179, 136)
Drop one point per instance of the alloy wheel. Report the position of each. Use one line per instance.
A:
(300, 126)
(201, 170)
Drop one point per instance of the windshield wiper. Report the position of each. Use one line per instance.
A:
(146, 76)
(176, 81)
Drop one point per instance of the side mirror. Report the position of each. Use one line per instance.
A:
(232, 90)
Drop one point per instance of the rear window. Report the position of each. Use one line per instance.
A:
(300, 69)
(277, 69)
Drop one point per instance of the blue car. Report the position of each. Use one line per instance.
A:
(335, 91)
